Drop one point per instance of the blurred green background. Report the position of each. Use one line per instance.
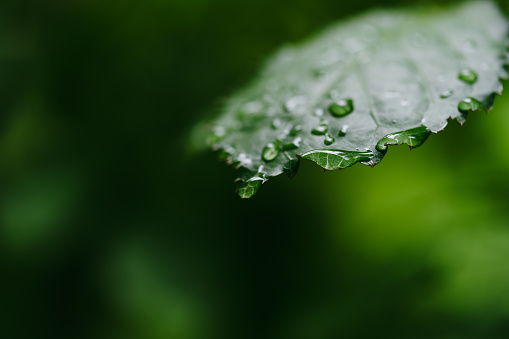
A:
(110, 228)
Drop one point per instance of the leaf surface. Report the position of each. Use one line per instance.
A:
(384, 78)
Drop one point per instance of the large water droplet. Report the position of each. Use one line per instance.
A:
(336, 159)
(447, 93)
(271, 151)
(341, 108)
(413, 137)
(320, 130)
(329, 140)
(295, 143)
(469, 104)
(468, 76)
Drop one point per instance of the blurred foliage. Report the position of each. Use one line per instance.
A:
(110, 229)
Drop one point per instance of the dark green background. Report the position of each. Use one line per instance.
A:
(111, 227)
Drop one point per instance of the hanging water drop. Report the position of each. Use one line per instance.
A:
(467, 76)
(469, 104)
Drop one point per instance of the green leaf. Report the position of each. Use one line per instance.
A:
(384, 78)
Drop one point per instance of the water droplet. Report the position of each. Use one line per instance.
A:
(293, 103)
(341, 108)
(295, 130)
(320, 130)
(413, 137)
(331, 159)
(469, 104)
(394, 122)
(318, 112)
(329, 140)
(271, 151)
(295, 143)
(342, 133)
(468, 76)
(447, 93)
(276, 123)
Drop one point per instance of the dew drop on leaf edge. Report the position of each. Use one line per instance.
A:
(469, 104)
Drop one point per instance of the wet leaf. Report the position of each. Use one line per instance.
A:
(384, 78)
